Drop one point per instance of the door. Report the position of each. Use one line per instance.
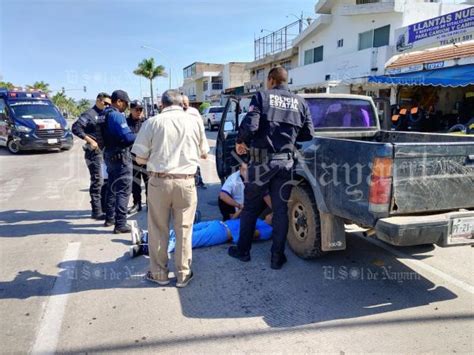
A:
(384, 112)
(227, 159)
(4, 129)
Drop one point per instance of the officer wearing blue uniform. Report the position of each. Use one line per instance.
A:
(117, 139)
(86, 128)
(276, 120)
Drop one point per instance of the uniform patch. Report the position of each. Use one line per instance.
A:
(282, 102)
(251, 108)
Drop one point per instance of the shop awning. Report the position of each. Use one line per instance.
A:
(457, 76)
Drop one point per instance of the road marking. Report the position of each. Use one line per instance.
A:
(48, 334)
(414, 263)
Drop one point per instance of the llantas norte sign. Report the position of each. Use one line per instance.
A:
(454, 27)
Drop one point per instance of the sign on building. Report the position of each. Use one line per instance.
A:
(442, 30)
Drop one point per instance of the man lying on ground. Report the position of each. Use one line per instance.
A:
(205, 234)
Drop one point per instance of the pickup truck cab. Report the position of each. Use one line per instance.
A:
(407, 188)
(30, 121)
(212, 116)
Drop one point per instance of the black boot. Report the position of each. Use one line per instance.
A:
(99, 216)
(125, 229)
(235, 253)
(277, 261)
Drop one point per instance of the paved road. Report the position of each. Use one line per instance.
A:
(68, 285)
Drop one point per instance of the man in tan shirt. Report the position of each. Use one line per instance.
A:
(171, 145)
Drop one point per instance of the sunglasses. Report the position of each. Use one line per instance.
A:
(106, 103)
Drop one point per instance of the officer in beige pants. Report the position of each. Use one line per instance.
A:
(171, 146)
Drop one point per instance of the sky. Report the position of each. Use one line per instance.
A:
(98, 44)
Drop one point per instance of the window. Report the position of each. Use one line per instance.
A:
(314, 55)
(189, 71)
(381, 36)
(341, 113)
(205, 85)
(374, 38)
(340, 43)
(260, 74)
(286, 64)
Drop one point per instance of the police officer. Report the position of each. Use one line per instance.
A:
(135, 121)
(275, 121)
(86, 128)
(117, 139)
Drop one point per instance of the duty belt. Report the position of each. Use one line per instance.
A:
(171, 176)
(260, 156)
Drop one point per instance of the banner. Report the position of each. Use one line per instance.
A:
(450, 28)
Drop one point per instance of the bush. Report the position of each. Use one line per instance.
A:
(203, 106)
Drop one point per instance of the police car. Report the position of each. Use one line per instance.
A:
(30, 121)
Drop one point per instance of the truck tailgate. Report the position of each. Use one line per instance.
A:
(431, 177)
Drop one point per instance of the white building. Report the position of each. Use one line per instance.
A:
(351, 40)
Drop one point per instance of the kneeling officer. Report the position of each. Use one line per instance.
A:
(117, 138)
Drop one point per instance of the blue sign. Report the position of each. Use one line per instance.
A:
(449, 28)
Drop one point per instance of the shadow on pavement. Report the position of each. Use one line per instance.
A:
(344, 285)
(14, 216)
(358, 282)
(12, 223)
(123, 272)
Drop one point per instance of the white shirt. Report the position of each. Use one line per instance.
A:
(171, 142)
(234, 187)
(195, 113)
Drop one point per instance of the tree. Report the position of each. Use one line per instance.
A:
(41, 86)
(203, 106)
(146, 68)
(83, 105)
(7, 84)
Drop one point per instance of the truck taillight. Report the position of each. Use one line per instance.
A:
(380, 185)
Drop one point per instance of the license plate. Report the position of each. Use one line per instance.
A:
(52, 141)
(462, 230)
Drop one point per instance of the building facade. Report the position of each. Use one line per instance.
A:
(205, 82)
(351, 40)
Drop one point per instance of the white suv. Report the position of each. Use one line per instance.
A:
(212, 116)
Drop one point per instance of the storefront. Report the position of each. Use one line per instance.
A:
(438, 82)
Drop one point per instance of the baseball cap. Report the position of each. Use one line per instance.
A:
(136, 103)
(120, 95)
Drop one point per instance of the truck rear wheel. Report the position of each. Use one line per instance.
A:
(304, 232)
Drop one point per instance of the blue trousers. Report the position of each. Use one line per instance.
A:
(262, 179)
(119, 187)
(93, 160)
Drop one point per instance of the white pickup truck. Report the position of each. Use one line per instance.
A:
(212, 116)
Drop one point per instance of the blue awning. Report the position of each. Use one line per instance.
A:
(457, 76)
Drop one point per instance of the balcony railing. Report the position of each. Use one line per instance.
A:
(361, 2)
(278, 41)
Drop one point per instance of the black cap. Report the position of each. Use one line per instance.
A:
(136, 103)
(120, 95)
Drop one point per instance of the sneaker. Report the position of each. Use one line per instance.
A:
(135, 233)
(184, 283)
(134, 250)
(277, 261)
(235, 253)
(125, 229)
(149, 277)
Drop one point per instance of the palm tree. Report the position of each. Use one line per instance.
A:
(41, 86)
(147, 69)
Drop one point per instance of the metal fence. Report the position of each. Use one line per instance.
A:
(277, 41)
